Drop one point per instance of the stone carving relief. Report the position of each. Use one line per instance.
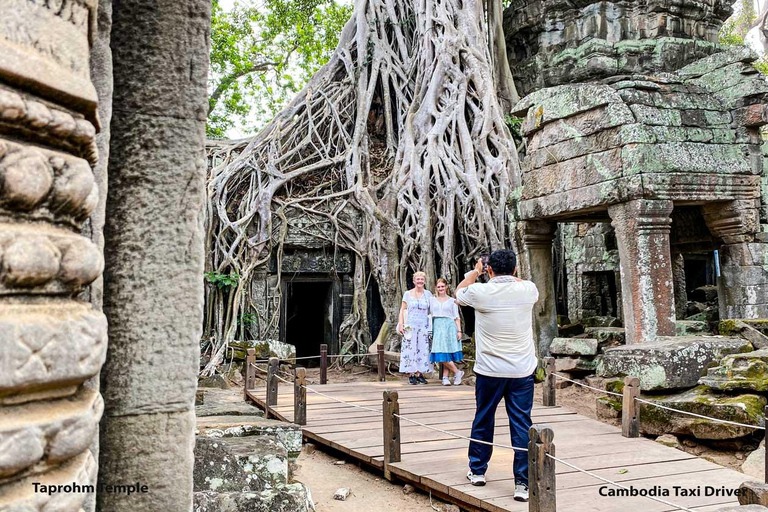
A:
(51, 341)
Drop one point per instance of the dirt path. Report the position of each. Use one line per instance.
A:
(370, 492)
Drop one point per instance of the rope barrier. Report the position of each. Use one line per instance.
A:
(654, 404)
(329, 356)
(757, 427)
(665, 502)
(459, 436)
(585, 386)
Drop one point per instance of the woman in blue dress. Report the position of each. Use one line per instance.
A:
(413, 325)
(446, 333)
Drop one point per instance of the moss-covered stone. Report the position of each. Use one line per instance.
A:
(686, 327)
(574, 346)
(672, 363)
(740, 372)
(746, 409)
(608, 407)
(607, 337)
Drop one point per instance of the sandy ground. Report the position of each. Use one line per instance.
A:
(369, 491)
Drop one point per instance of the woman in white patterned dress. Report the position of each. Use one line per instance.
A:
(413, 325)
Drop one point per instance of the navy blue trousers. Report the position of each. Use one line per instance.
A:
(518, 400)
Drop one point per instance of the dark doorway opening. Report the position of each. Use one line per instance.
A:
(376, 315)
(699, 271)
(309, 317)
(598, 294)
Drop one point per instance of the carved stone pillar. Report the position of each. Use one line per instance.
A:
(51, 340)
(642, 232)
(153, 295)
(743, 282)
(537, 244)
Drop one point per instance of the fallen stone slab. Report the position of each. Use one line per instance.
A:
(687, 327)
(607, 337)
(753, 493)
(574, 346)
(671, 363)
(575, 364)
(746, 409)
(744, 328)
(739, 372)
(224, 466)
(293, 497)
(288, 434)
(754, 465)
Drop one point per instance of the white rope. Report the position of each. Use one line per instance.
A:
(487, 443)
(329, 356)
(585, 386)
(758, 427)
(665, 502)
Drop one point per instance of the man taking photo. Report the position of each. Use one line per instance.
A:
(505, 360)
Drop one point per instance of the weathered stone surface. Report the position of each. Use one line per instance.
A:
(671, 363)
(49, 345)
(690, 327)
(704, 294)
(746, 331)
(739, 372)
(574, 346)
(567, 331)
(293, 497)
(608, 408)
(755, 464)
(154, 228)
(746, 409)
(743, 508)
(238, 426)
(753, 493)
(575, 364)
(40, 435)
(668, 440)
(607, 337)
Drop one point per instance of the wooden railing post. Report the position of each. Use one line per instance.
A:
(250, 371)
(390, 407)
(549, 393)
(380, 360)
(323, 363)
(272, 368)
(300, 396)
(630, 409)
(541, 470)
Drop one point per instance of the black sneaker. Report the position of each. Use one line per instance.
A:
(412, 380)
(421, 380)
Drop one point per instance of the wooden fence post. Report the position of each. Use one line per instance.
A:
(300, 396)
(380, 359)
(549, 393)
(390, 407)
(630, 409)
(250, 371)
(272, 368)
(323, 363)
(541, 470)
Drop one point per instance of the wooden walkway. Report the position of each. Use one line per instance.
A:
(437, 462)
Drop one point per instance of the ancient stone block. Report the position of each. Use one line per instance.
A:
(690, 327)
(670, 363)
(739, 372)
(47, 433)
(293, 497)
(753, 493)
(49, 345)
(607, 337)
(745, 409)
(576, 364)
(288, 434)
(574, 346)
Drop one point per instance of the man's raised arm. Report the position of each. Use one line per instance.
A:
(469, 278)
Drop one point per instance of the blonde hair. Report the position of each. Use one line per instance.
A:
(419, 274)
(447, 286)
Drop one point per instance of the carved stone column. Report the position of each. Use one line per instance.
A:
(537, 244)
(743, 282)
(51, 340)
(642, 232)
(153, 295)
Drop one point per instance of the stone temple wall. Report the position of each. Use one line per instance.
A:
(52, 341)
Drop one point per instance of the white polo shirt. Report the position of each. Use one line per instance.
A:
(503, 326)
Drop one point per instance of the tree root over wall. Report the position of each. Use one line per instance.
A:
(396, 150)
